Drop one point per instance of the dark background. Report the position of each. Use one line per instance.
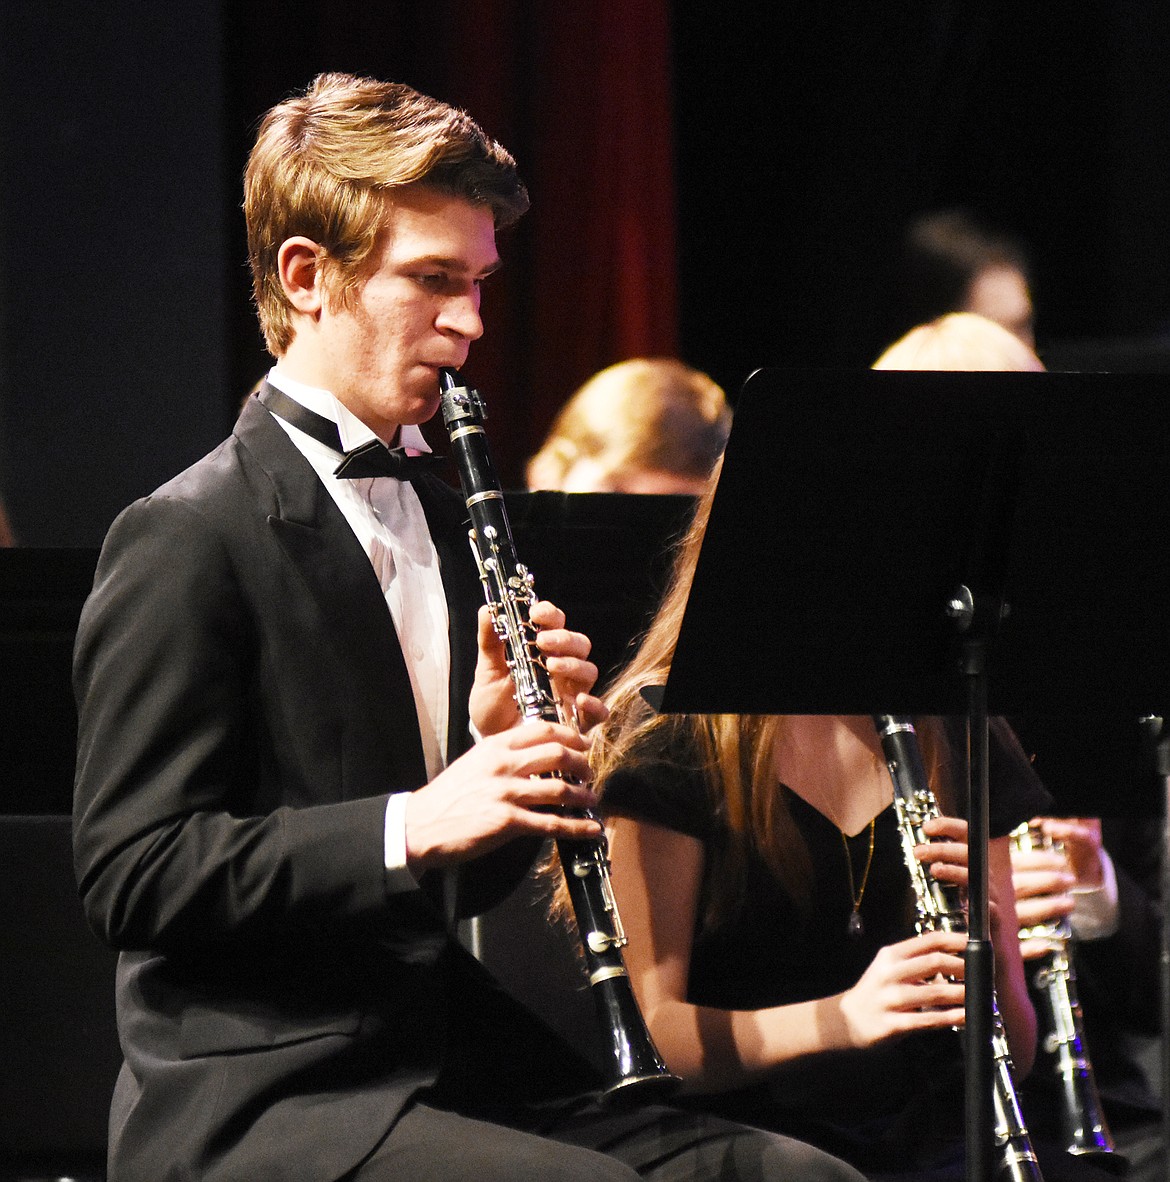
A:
(780, 146)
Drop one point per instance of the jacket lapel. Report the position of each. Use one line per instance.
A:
(356, 622)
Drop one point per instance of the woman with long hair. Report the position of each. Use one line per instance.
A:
(759, 874)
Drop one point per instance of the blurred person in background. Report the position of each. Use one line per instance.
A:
(962, 341)
(648, 425)
(953, 262)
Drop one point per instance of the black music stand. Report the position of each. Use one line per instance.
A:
(938, 543)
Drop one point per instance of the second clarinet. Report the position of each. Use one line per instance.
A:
(940, 908)
(1086, 1131)
(635, 1066)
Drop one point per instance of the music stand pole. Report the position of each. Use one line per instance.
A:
(979, 955)
(1164, 961)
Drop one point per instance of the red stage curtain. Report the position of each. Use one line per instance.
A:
(581, 93)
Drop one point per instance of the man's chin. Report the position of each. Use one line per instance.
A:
(422, 410)
(425, 395)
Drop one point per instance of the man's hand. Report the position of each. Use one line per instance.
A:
(566, 655)
(1044, 879)
(1043, 882)
(1081, 838)
(495, 793)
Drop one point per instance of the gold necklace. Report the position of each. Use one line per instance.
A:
(856, 927)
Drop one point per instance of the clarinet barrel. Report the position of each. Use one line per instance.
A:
(636, 1071)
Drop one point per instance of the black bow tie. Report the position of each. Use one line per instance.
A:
(376, 459)
(371, 459)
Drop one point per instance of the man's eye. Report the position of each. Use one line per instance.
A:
(433, 281)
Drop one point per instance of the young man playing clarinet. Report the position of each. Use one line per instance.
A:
(279, 808)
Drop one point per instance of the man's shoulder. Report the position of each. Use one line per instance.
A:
(211, 489)
(237, 471)
(218, 469)
(218, 505)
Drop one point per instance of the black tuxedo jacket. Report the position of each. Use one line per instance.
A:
(244, 712)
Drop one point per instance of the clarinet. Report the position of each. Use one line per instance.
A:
(1062, 1024)
(940, 908)
(634, 1066)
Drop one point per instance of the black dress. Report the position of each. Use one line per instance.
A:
(889, 1110)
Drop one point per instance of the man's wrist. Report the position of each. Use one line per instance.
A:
(398, 876)
(1096, 913)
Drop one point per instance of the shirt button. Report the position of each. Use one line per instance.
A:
(418, 652)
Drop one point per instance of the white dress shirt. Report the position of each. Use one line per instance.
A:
(387, 519)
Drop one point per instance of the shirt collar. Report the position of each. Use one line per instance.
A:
(352, 430)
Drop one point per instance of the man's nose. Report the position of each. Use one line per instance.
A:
(460, 315)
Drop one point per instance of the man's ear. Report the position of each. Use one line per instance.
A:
(299, 262)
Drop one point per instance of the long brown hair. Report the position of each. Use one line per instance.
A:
(733, 751)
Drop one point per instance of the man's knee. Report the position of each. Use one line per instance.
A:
(787, 1158)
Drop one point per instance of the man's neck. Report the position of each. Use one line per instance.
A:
(303, 363)
(352, 430)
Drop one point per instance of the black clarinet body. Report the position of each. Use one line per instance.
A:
(636, 1071)
(1086, 1131)
(940, 908)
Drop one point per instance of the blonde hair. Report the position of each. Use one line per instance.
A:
(325, 161)
(960, 341)
(646, 413)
